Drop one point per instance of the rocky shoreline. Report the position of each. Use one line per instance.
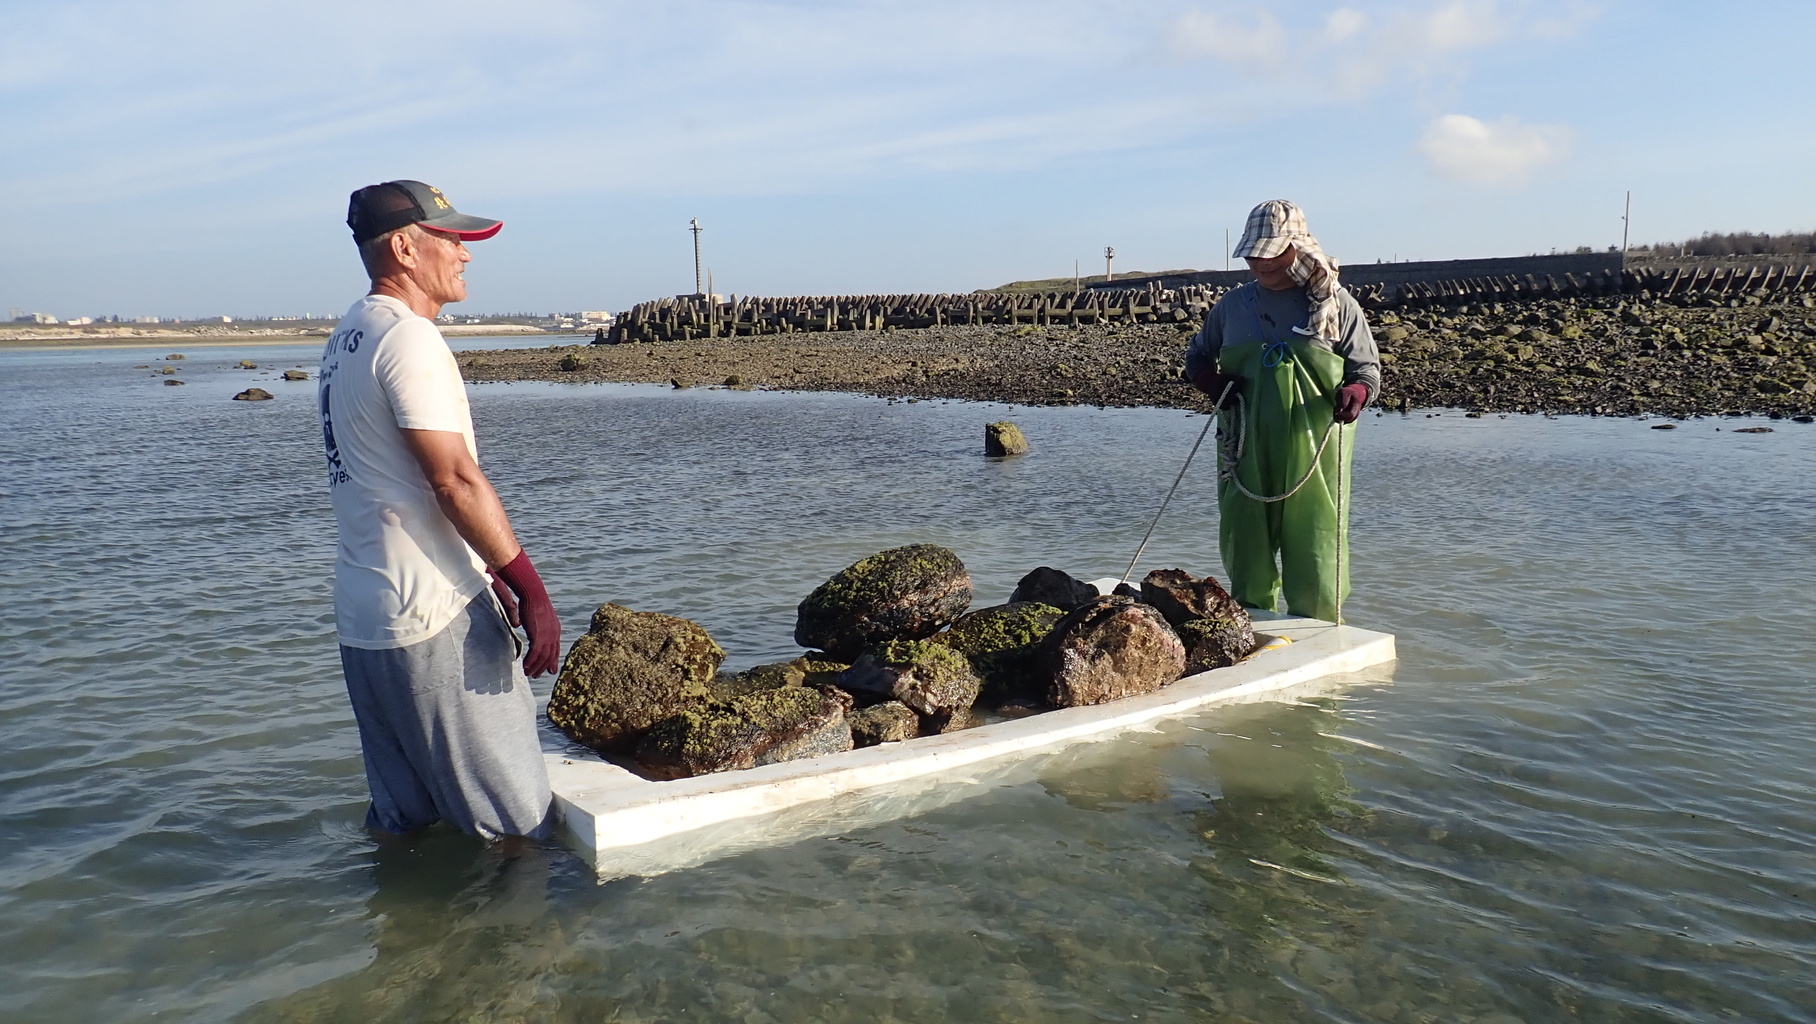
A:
(1594, 356)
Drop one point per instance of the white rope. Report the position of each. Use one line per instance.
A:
(1342, 528)
(1164, 501)
(1228, 460)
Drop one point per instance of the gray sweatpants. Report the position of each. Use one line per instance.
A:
(448, 729)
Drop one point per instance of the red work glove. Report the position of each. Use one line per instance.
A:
(1350, 400)
(1212, 383)
(506, 599)
(537, 613)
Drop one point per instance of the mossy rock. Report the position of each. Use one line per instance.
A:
(759, 728)
(818, 671)
(1001, 643)
(756, 679)
(888, 722)
(630, 671)
(905, 593)
(929, 677)
(1216, 642)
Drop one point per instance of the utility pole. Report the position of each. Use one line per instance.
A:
(693, 224)
(1226, 248)
(1109, 253)
(1077, 282)
(1626, 222)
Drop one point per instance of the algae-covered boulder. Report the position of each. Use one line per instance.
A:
(1113, 647)
(765, 727)
(1182, 598)
(1048, 585)
(1216, 642)
(1001, 642)
(905, 593)
(1004, 438)
(630, 671)
(928, 677)
(888, 722)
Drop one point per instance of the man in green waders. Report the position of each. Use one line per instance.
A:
(1291, 356)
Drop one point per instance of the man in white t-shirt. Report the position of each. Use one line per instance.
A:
(447, 722)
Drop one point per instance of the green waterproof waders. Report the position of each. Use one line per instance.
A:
(1288, 390)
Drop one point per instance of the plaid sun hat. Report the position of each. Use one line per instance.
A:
(1272, 227)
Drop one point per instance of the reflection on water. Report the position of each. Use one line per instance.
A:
(1583, 793)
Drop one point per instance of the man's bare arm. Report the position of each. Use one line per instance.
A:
(465, 495)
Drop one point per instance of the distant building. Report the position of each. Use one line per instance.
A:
(78, 321)
(144, 319)
(36, 318)
(598, 316)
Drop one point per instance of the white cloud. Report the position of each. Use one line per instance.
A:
(1204, 34)
(1343, 23)
(1465, 148)
(1334, 53)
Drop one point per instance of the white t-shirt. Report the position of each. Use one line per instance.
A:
(402, 572)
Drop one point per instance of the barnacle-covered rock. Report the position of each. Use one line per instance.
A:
(1113, 647)
(630, 671)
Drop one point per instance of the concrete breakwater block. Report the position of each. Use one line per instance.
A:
(626, 825)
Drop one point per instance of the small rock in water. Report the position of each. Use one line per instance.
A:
(1113, 647)
(572, 361)
(295, 375)
(173, 382)
(888, 722)
(247, 364)
(174, 356)
(1047, 585)
(1753, 430)
(1004, 438)
(630, 671)
(253, 395)
(1664, 426)
(905, 593)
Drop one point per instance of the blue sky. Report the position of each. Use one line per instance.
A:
(187, 158)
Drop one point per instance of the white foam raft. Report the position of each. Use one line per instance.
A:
(626, 825)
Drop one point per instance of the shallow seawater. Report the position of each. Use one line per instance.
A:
(1584, 792)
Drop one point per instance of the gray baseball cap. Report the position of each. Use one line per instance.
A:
(376, 209)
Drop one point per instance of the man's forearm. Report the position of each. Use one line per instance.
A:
(471, 504)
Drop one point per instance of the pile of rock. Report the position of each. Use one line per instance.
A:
(895, 652)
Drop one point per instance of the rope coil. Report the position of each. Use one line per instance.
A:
(1229, 455)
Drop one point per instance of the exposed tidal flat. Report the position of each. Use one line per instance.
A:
(1584, 792)
(1598, 357)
